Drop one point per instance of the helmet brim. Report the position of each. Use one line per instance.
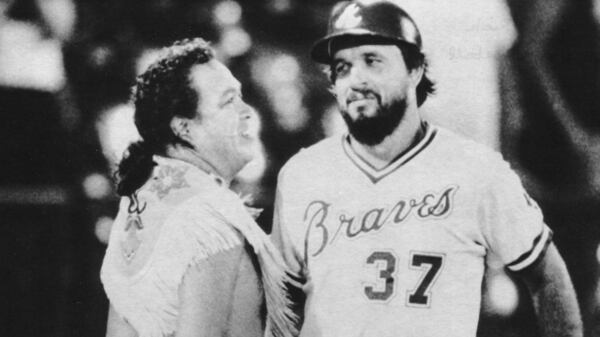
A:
(323, 50)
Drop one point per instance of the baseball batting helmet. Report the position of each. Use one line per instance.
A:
(380, 21)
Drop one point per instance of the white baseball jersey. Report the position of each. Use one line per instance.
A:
(400, 251)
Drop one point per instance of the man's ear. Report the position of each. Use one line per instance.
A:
(180, 128)
(416, 75)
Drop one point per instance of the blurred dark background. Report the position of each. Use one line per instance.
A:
(522, 76)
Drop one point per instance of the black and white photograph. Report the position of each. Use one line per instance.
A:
(300, 168)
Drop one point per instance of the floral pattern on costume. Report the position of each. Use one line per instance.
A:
(169, 178)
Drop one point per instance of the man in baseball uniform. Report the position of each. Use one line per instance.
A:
(388, 229)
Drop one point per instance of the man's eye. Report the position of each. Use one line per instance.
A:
(233, 98)
(371, 60)
(341, 69)
(230, 99)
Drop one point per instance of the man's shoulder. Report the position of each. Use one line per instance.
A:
(461, 145)
(460, 152)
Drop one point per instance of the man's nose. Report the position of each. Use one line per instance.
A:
(358, 78)
(246, 110)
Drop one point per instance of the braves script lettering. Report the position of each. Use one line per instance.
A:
(317, 216)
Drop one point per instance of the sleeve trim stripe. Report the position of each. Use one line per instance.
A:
(539, 246)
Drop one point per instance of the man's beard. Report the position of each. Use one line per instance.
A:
(373, 130)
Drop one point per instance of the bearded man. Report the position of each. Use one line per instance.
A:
(389, 228)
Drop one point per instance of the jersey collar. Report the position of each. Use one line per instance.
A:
(374, 174)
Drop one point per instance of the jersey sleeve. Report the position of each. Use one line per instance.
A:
(287, 234)
(512, 223)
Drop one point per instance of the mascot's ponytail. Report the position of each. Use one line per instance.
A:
(135, 168)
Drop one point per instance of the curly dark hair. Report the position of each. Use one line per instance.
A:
(413, 58)
(162, 92)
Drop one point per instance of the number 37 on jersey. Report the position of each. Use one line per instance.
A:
(388, 270)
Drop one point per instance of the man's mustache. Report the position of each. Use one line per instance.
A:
(356, 95)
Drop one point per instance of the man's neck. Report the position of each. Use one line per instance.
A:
(399, 141)
(208, 166)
